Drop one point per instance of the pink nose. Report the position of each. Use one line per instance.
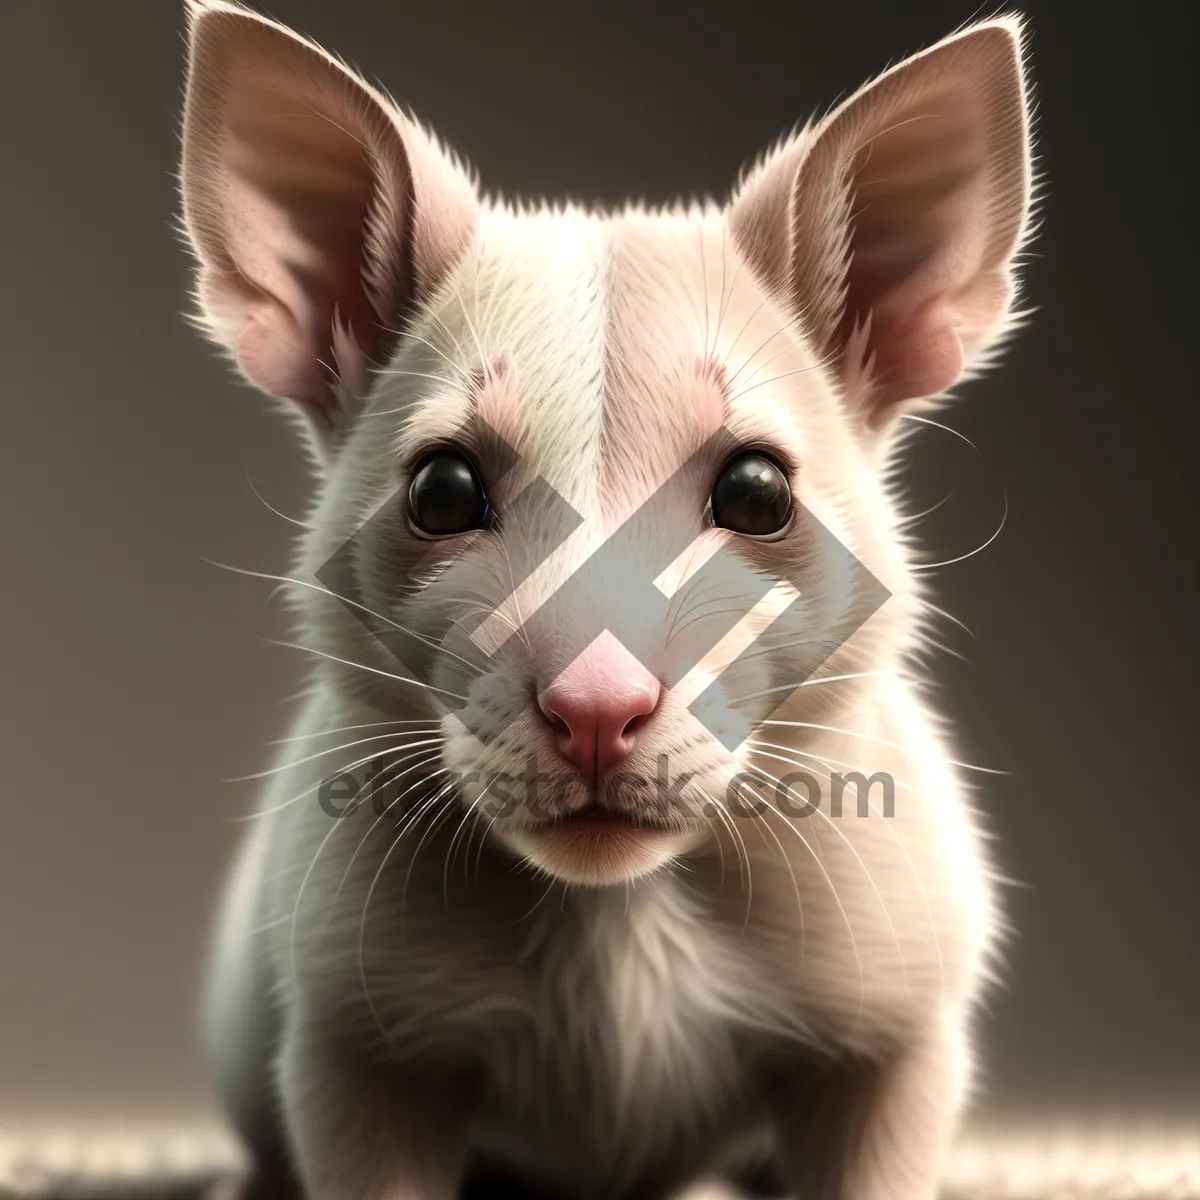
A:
(598, 706)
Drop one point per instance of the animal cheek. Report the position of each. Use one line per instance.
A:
(485, 702)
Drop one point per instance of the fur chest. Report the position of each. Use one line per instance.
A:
(632, 1036)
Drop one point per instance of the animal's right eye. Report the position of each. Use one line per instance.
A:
(752, 495)
(446, 497)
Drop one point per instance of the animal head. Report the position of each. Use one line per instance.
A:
(583, 471)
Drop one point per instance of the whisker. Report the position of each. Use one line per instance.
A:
(884, 742)
(820, 364)
(267, 504)
(791, 871)
(333, 827)
(745, 326)
(362, 928)
(450, 850)
(438, 820)
(912, 867)
(537, 903)
(755, 353)
(519, 625)
(689, 591)
(941, 612)
(971, 554)
(483, 357)
(405, 408)
(927, 642)
(762, 366)
(383, 816)
(359, 762)
(501, 289)
(747, 879)
(710, 614)
(887, 916)
(787, 687)
(408, 335)
(832, 889)
(288, 766)
(720, 849)
(828, 761)
(750, 387)
(721, 302)
(945, 428)
(304, 737)
(915, 517)
(399, 372)
(725, 297)
(483, 842)
(292, 582)
(363, 667)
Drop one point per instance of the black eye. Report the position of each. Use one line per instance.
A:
(446, 497)
(752, 495)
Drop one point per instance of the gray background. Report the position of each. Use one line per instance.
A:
(135, 677)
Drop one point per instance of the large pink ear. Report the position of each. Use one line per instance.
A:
(891, 228)
(318, 213)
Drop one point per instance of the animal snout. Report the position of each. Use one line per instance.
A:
(599, 706)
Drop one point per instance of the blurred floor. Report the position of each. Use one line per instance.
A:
(1152, 1163)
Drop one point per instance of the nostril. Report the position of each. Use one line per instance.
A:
(634, 725)
(598, 707)
(551, 716)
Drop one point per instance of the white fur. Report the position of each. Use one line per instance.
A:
(384, 1001)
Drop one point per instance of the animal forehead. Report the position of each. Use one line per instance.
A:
(520, 331)
(666, 380)
(602, 350)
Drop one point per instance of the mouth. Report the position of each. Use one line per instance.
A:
(601, 818)
(601, 845)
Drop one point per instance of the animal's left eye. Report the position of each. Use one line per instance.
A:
(446, 497)
(752, 495)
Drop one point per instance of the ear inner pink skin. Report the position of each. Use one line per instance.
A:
(321, 214)
(898, 217)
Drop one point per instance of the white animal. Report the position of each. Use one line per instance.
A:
(511, 957)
